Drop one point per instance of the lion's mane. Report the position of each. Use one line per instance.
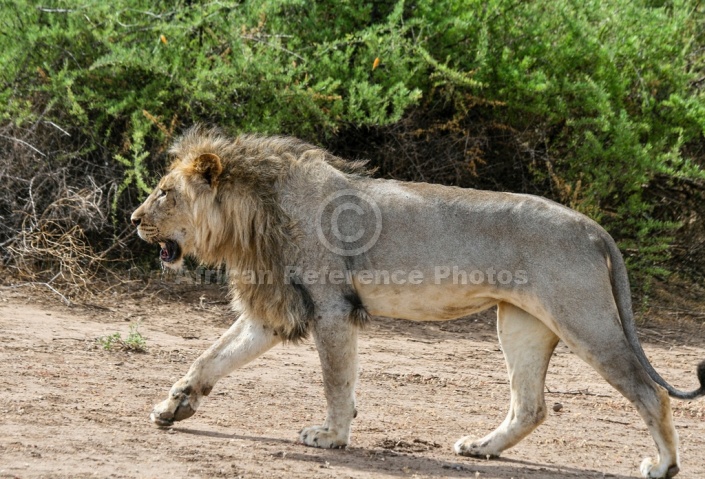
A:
(244, 226)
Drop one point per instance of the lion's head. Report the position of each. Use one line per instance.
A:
(219, 200)
(217, 192)
(169, 216)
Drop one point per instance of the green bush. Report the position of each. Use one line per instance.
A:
(600, 102)
(130, 67)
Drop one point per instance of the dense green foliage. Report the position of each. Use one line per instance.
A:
(601, 99)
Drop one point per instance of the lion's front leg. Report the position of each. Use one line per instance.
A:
(244, 341)
(336, 340)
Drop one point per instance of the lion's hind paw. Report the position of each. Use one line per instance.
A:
(318, 436)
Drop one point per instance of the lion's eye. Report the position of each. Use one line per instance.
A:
(162, 193)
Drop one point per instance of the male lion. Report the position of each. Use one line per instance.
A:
(263, 207)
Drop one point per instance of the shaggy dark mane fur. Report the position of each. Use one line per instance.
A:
(254, 148)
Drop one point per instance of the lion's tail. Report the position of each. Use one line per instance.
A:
(622, 296)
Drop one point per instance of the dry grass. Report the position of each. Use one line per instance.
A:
(57, 229)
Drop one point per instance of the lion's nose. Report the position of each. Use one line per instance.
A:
(136, 221)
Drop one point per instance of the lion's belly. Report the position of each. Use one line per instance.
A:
(422, 302)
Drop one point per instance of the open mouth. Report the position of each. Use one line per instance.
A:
(170, 252)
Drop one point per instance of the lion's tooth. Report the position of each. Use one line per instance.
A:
(163, 245)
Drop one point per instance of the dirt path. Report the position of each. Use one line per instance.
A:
(71, 409)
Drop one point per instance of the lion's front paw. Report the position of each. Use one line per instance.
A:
(318, 436)
(651, 470)
(467, 446)
(181, 404)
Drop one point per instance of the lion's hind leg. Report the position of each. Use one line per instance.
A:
(598, 339)
(527, 344)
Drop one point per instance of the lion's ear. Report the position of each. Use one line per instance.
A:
(209, 167)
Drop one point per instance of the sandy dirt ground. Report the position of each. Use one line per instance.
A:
(72, 409)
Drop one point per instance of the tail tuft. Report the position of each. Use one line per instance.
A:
(701, 375)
